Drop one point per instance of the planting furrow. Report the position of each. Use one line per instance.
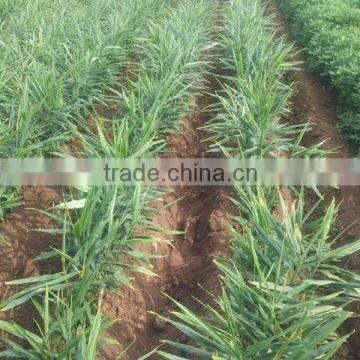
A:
(198, 218)
(283, 292)
(185, 264)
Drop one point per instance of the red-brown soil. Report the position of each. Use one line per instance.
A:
(19, 244)
(200, 215)
(185, 265)
(312, 102)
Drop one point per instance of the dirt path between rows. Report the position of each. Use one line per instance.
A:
(200, 215)
(19, 244)
(315, 103)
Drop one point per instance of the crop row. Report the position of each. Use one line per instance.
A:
(56, 61)
(330, 32)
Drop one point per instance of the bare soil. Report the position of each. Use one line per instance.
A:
(188, 262)
(19, 244)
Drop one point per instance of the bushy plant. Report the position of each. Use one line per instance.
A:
(9, 198)
(330, 33)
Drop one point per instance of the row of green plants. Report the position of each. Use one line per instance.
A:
(9, 199)
(255, 98)
(330, 33)
(57, 60)
(284, 289)
(96, 225)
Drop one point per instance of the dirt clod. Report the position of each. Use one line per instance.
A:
(220, 238)
(190, 229)
(216, 221)
(176, 259)
(158, 324)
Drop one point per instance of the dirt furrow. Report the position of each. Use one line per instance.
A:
(20, 243)
(187, 263)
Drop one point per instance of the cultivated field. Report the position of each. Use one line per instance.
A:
(118, 272)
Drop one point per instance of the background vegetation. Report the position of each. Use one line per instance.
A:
(330, 32)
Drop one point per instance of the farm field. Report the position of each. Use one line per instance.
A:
(118, 272)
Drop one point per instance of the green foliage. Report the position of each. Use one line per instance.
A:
(270, 306)
(283, 291)
(255, 95)
(8, 7)
(330, 32)
(66, 331)
(9, 198)
(56, 61)
(154, 99)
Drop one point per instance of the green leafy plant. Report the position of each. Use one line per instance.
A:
(283, 293)
(9, 199)
(66, 331)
